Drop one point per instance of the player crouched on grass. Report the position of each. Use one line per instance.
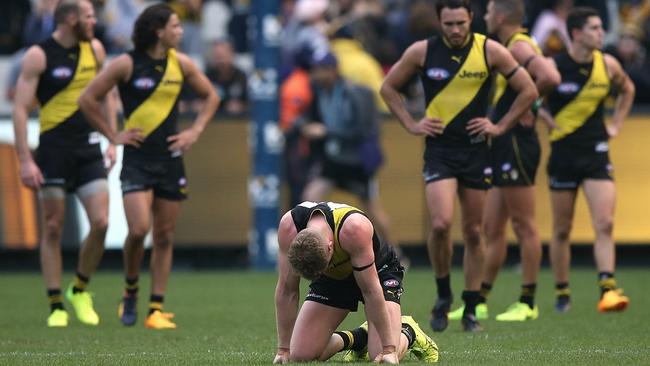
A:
(335, 246)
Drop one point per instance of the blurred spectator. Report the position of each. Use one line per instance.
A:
(228, 80)
(238, 26)
(357, 65)
(12, 19)
(40, 23)
(216, 16)
(633, 57)
(550, 28)
(119, 16)
(189, 13)
(304, 30)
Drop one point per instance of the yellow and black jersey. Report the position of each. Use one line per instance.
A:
(456, 85)
(504, 94)
(149, 98)
(577, 103)
(340, 266)
(68, 71)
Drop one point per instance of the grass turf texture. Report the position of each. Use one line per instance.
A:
(227, 318)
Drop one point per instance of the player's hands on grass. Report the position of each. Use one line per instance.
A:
(282, 356)
(30, 174)
(131, 137)
(483, 126)
(184, 140)
(427, 126)
(109, 157)
(390, 358)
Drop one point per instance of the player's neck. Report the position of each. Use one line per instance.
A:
(65, 38)
(581, 54)
(157, 52)
(507, 31)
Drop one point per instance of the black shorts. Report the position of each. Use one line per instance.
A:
(165, 177)
(515, 158)
(351, 178)
(70, 167)
(568, 166)
(469, 165)
(345, 294)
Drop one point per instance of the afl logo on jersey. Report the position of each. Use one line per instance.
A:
(144, 83)
(437, 74)
(62, 72)
(568, 88)
(391, 283)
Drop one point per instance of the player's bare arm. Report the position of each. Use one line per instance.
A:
(201, 85)
(543, 72)
(90, 101)
(408, 65)
(33, 66)
(287, 290)
(500, 59)
(109, 105)
(355, 238)
(625, 98)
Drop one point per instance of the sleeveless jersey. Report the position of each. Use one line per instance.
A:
(456, 85)
(149, 98)
(339, 266)
(504, 95)
(67, 73)
(577, 103)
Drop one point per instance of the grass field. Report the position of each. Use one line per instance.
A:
(227, 318)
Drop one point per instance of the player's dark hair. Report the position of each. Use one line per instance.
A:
(152, 19)
(65, 8)
(452, 4)
(578, 18)
(513, 10)
(307, 254)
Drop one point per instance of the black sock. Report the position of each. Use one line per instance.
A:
(356, 339)
(471, 300)
(528, 294)
(562, 291)
(131, 288)
(484, 292)
(55, 299)
(155, 303)
(409, 332)
(80, 283)
(606, 282)
(444, 286)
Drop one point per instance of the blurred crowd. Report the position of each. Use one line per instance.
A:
(367, 36)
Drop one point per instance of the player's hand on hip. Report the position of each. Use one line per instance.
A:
(612, 130)
(528, 119)
(483, 126)
(133, 137)
(183, 141)
(428, 126)
(31, 175)
(110, 157)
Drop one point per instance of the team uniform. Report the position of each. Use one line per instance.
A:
(69, 153)
(515, 154)
(579, 148)
(149, 98)
(456, 85)
(337, 286)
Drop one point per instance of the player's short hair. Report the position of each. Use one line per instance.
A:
(64, 8)
(578, 18)
(514, 10)
(308, 253)
(452, 4)
(152, 19)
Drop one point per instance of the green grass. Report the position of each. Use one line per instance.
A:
(227, 318)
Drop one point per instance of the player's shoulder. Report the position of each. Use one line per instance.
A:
(34, 59)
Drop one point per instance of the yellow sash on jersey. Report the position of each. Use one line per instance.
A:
(340, 266)
(64, 104)
(501, 82)
(462, 89)
(577, 112)
(157, 107)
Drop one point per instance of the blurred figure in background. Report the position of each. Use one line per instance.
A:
(629, 51)
(550, 28)
(228, 80)
(40, 23)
